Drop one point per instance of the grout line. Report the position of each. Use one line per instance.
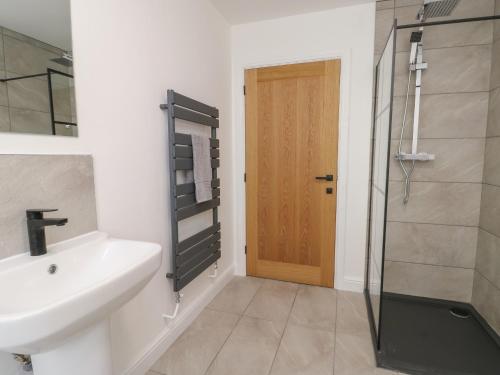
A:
(429, 264)
(442, 138)
(232, 330)
(487, 231)
(418, 222)
(442, 93)
(492, 185)
(223, 345)
(448, 47)
(487, 279)
(442, 182)
(284, 330)
(393, 179)
(337, 302)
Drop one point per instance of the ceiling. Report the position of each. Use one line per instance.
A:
(45, 20)
(244, 11)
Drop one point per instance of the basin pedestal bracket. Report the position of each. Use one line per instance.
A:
(178, 298)
(214, 275)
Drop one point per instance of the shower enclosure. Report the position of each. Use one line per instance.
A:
(433, 241)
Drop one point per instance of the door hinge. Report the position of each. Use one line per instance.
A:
(245, 249)
(244, 177)
(244, 89)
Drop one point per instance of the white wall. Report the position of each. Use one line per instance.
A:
(127, 54)
(346, 33)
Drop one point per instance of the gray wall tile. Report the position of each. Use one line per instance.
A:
(423, 280)
(24, 58)
(461, 115)
(29, 93)
(496, 28)
(383, 24)
(486, 299)
(442, 245)
(4, 119)
(27, 121)
(4, 99)
(492, 162)
(490, 209)
(2, 56)
(495, 65)
(32, 41)
(405, 3)
(494, 114)
(385, 4)
(450, 164)
(435, 203)
(452, 35)
(65, 182)
(451, 70)
(488, 257)
(62, 101)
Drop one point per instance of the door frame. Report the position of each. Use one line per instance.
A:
(239, 143)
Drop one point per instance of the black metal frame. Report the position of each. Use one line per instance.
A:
(195, 254)
(48, 74)
(447, 22)
(373, 328)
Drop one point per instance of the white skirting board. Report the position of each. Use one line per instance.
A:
(351, 285)
(175, 328)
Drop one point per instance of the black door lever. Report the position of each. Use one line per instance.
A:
(328, 177)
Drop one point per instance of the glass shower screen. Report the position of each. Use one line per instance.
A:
(381, 128)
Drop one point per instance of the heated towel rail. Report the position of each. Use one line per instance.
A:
(196, 253)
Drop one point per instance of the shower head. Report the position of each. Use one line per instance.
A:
(436, 8)
(66, 60)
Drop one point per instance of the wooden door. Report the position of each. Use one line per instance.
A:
(292, 116)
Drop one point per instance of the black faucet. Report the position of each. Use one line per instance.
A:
(36, 229)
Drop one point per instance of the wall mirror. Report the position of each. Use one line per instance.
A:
(37, 91)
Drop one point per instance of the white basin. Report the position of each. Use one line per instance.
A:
(51, 315)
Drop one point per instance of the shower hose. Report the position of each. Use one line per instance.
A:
(407, 171)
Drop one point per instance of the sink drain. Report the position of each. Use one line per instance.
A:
(459, 313)
(52, 269)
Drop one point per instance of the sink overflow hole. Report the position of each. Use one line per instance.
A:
(459, 313)
(52, 269)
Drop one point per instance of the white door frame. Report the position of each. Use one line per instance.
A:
(239, 159)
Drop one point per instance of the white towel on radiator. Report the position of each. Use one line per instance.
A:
(202, 168)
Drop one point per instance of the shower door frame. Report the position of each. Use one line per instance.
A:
(375, 333)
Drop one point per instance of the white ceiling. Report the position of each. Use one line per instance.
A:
(244, 11)
(45, 20)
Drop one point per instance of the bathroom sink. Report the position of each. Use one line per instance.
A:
(62, 300)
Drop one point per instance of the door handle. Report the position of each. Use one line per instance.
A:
(328, 177)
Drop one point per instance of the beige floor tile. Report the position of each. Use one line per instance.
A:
(237, 294)
(354, 355)
(305, 351)
(315, 307)
(250, 349)
(195, 349)
(273, 302)
(352, 316)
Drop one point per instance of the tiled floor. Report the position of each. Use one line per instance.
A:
(260, 327)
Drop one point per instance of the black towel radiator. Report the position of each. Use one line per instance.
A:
(196, 253)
